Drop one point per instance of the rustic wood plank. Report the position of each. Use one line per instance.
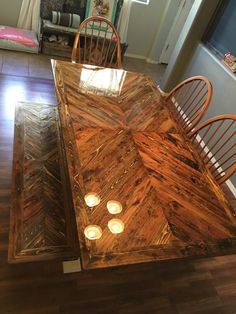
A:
(123, 143)
(41, 222)
(198, 286)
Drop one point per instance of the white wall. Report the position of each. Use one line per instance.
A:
(145, 21)
(168, 17)
(9, 12)
(203, 62)
(192, 32)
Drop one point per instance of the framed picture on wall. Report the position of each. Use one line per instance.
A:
(104, 8)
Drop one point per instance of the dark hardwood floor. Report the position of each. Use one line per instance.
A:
(201, 286)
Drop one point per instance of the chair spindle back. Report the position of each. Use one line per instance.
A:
(190, 100)
(98, 43)
(215, 141)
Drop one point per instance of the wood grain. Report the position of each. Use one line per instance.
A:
(41, 217)
(198, 286)
(122, 142)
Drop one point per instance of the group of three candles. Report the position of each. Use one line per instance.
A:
(94, 232)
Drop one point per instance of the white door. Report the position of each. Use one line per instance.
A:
(175, 30)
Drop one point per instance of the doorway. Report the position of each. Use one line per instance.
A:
(184, 8)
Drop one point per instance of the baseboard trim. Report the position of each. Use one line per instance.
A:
(132, 55)
(152, 61)
(231, 187)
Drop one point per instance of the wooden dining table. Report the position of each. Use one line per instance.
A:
(121, 141)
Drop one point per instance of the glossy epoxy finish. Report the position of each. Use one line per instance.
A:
(122, 143)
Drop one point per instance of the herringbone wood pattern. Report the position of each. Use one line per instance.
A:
(203, 286)
(123, 143)
(40, 208)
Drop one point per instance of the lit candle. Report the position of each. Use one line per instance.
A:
(114, 207)
(116, 225)
(93, 232)
(92, 199)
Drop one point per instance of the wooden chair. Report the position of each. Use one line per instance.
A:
(190, 100)
(97, 42)
(215, 141)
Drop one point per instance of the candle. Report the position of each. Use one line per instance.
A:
(116, 225)
(93, 232)
(92, 199)
(114, 207)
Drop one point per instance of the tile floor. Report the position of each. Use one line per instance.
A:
(25, 64)
(32, 65)
(156, 71)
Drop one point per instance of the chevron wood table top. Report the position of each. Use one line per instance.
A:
(122, 143)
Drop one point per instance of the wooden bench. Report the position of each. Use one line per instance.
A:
(42, 222)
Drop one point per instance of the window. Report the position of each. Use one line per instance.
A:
(221, 33)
